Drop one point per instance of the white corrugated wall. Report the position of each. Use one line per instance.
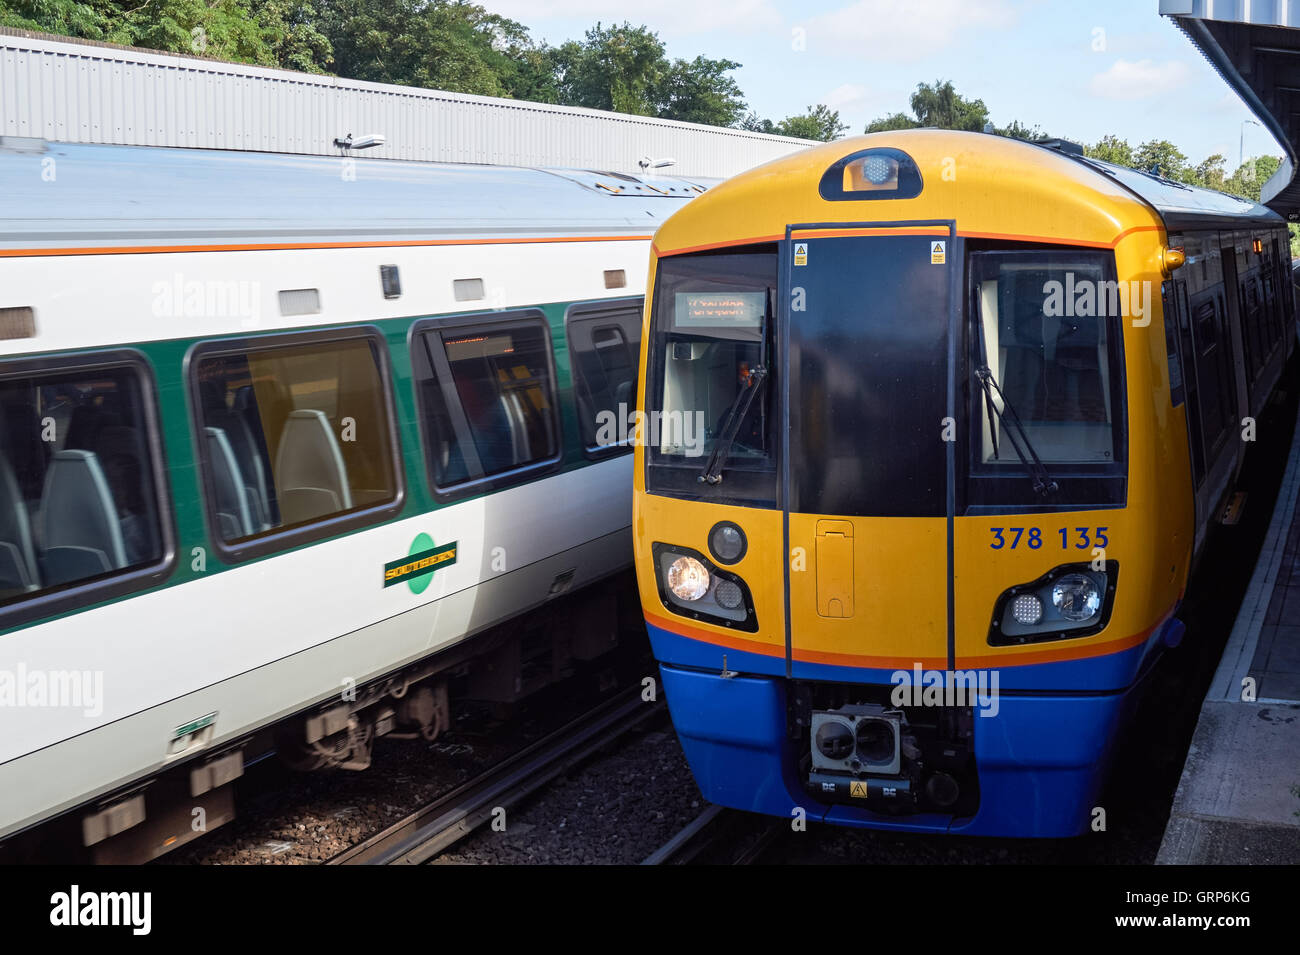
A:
(76, 92)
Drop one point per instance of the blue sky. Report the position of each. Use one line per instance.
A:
(1078, 70)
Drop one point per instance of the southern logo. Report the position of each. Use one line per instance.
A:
(416, 568)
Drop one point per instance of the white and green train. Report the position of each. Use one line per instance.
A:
(279, 436)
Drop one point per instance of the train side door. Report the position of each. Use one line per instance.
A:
(1243, 346)
(866, 489)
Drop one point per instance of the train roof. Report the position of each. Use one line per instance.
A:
(58, 196)
(991, 186)
(1183, 206)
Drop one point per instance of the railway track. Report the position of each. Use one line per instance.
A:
(718, 836)
(434, 827)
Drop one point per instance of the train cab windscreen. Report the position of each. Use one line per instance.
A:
(1046, 361)
(711, 406)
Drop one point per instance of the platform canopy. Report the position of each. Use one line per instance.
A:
(1255, 46)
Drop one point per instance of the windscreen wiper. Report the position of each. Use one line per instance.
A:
(735, 415)
(1043, 482)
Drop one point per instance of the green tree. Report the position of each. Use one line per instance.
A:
(438, 44)
(266, 32)
(1018, 130)
(625, 69)
(820, 122)
(700, 91)
(938, 105)
(1209, 173)
(1161, 157)
(616, 68)
(891, 122)
(89, 21)
(1111, 149)
(755, 124)
(1250, 177)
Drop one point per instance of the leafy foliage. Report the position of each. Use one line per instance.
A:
(820, 122)
(624, 68)
(441, 44)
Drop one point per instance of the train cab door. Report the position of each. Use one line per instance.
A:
(867, 492)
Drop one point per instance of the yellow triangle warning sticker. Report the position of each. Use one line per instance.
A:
(858, 789)
(938, 252)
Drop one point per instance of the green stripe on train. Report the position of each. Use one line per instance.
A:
(196, 557)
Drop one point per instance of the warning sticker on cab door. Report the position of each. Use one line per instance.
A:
(801, 253)
(938, 252)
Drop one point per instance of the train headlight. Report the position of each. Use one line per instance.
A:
(727, 542)
(1027, 609)
(728, 594)
(688, 579)
(1076, 597)
(693, 585)
(1069, 601)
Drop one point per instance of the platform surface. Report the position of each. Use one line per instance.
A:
(1238, 801)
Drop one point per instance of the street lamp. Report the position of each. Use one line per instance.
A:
(1241, 143)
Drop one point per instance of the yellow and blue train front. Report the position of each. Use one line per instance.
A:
(869, 604)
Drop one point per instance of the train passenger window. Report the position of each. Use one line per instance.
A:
(1048, 324)
(1191, 382)
(1257, 349)
(80, 496)
(604, 345)
(293, 431)
(487, 392)
(1218, 394)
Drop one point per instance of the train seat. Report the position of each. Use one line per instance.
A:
(80, 532)
(491, 424)
(233, 513)
(1024, 367)
(310, 476)
(249, 468)
(122, 458)
(1074, 358)
(18, 568)
(20, 440)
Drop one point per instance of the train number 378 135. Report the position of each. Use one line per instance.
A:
(1081, 538)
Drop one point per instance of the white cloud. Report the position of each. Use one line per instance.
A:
(685, 16)
(903, 30)
(1128, 79)
(847, 96)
